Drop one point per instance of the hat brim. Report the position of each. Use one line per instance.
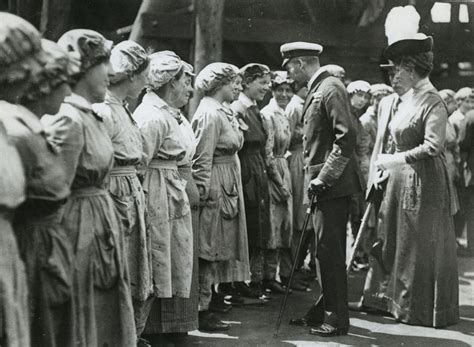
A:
(408, 47)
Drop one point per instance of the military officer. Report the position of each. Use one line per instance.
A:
(333, 174)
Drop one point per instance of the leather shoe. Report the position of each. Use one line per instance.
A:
(209, 322)
(275, 287)
(304, 322)
(327, 330)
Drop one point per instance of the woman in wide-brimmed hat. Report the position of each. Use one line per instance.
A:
(415, 274)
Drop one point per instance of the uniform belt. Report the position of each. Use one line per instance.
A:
(123, 171)
(88, 191)
(163, 164)
(225, 159)
(279, 156)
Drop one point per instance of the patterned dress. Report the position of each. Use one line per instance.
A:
(43, 242)
(14, 322)
(281, 206)
(294, 112)
(103, 312)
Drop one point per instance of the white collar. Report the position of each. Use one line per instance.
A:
(246, 101)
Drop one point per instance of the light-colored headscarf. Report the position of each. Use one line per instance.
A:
(127, 58)
(358, 86)
(87, 46)
(214, 76)
(20, 49)
(280, 77)
(164, 66)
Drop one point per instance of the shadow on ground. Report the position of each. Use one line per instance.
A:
(254, 325)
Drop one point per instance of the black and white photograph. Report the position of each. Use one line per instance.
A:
(236, 173)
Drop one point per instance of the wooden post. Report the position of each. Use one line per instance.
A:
(209, 18)
(55, 18)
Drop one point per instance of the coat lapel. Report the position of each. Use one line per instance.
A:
(314, 87)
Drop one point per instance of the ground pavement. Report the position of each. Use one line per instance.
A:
(254, 325)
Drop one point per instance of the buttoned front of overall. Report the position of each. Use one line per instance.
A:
(169, 214)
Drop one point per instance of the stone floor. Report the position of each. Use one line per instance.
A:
(254, 325)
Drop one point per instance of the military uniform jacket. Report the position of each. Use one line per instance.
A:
(329, 138)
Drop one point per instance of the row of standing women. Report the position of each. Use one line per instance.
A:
(125, 222)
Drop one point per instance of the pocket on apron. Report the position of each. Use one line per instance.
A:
(178, 203)
(230, 202)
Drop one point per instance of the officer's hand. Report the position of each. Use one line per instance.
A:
(316, 186)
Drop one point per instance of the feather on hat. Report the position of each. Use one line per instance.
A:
(401, 29)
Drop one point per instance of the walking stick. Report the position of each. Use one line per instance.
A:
(309, 211)
(375, 194)
(358, 240)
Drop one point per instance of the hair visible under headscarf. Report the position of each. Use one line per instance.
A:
(127, 58)
(252, 71)
(214, 76)
(87, 46)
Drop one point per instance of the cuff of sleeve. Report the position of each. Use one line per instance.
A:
(333, 168)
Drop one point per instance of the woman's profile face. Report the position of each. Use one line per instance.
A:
(182, 90)
(138, 82)
(237, 86)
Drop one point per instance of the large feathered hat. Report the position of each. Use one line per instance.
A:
(401, 29)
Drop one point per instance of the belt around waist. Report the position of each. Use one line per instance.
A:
(88, 191)
(279, 156)
(163, 164)
(225, 159)
(123, 171)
